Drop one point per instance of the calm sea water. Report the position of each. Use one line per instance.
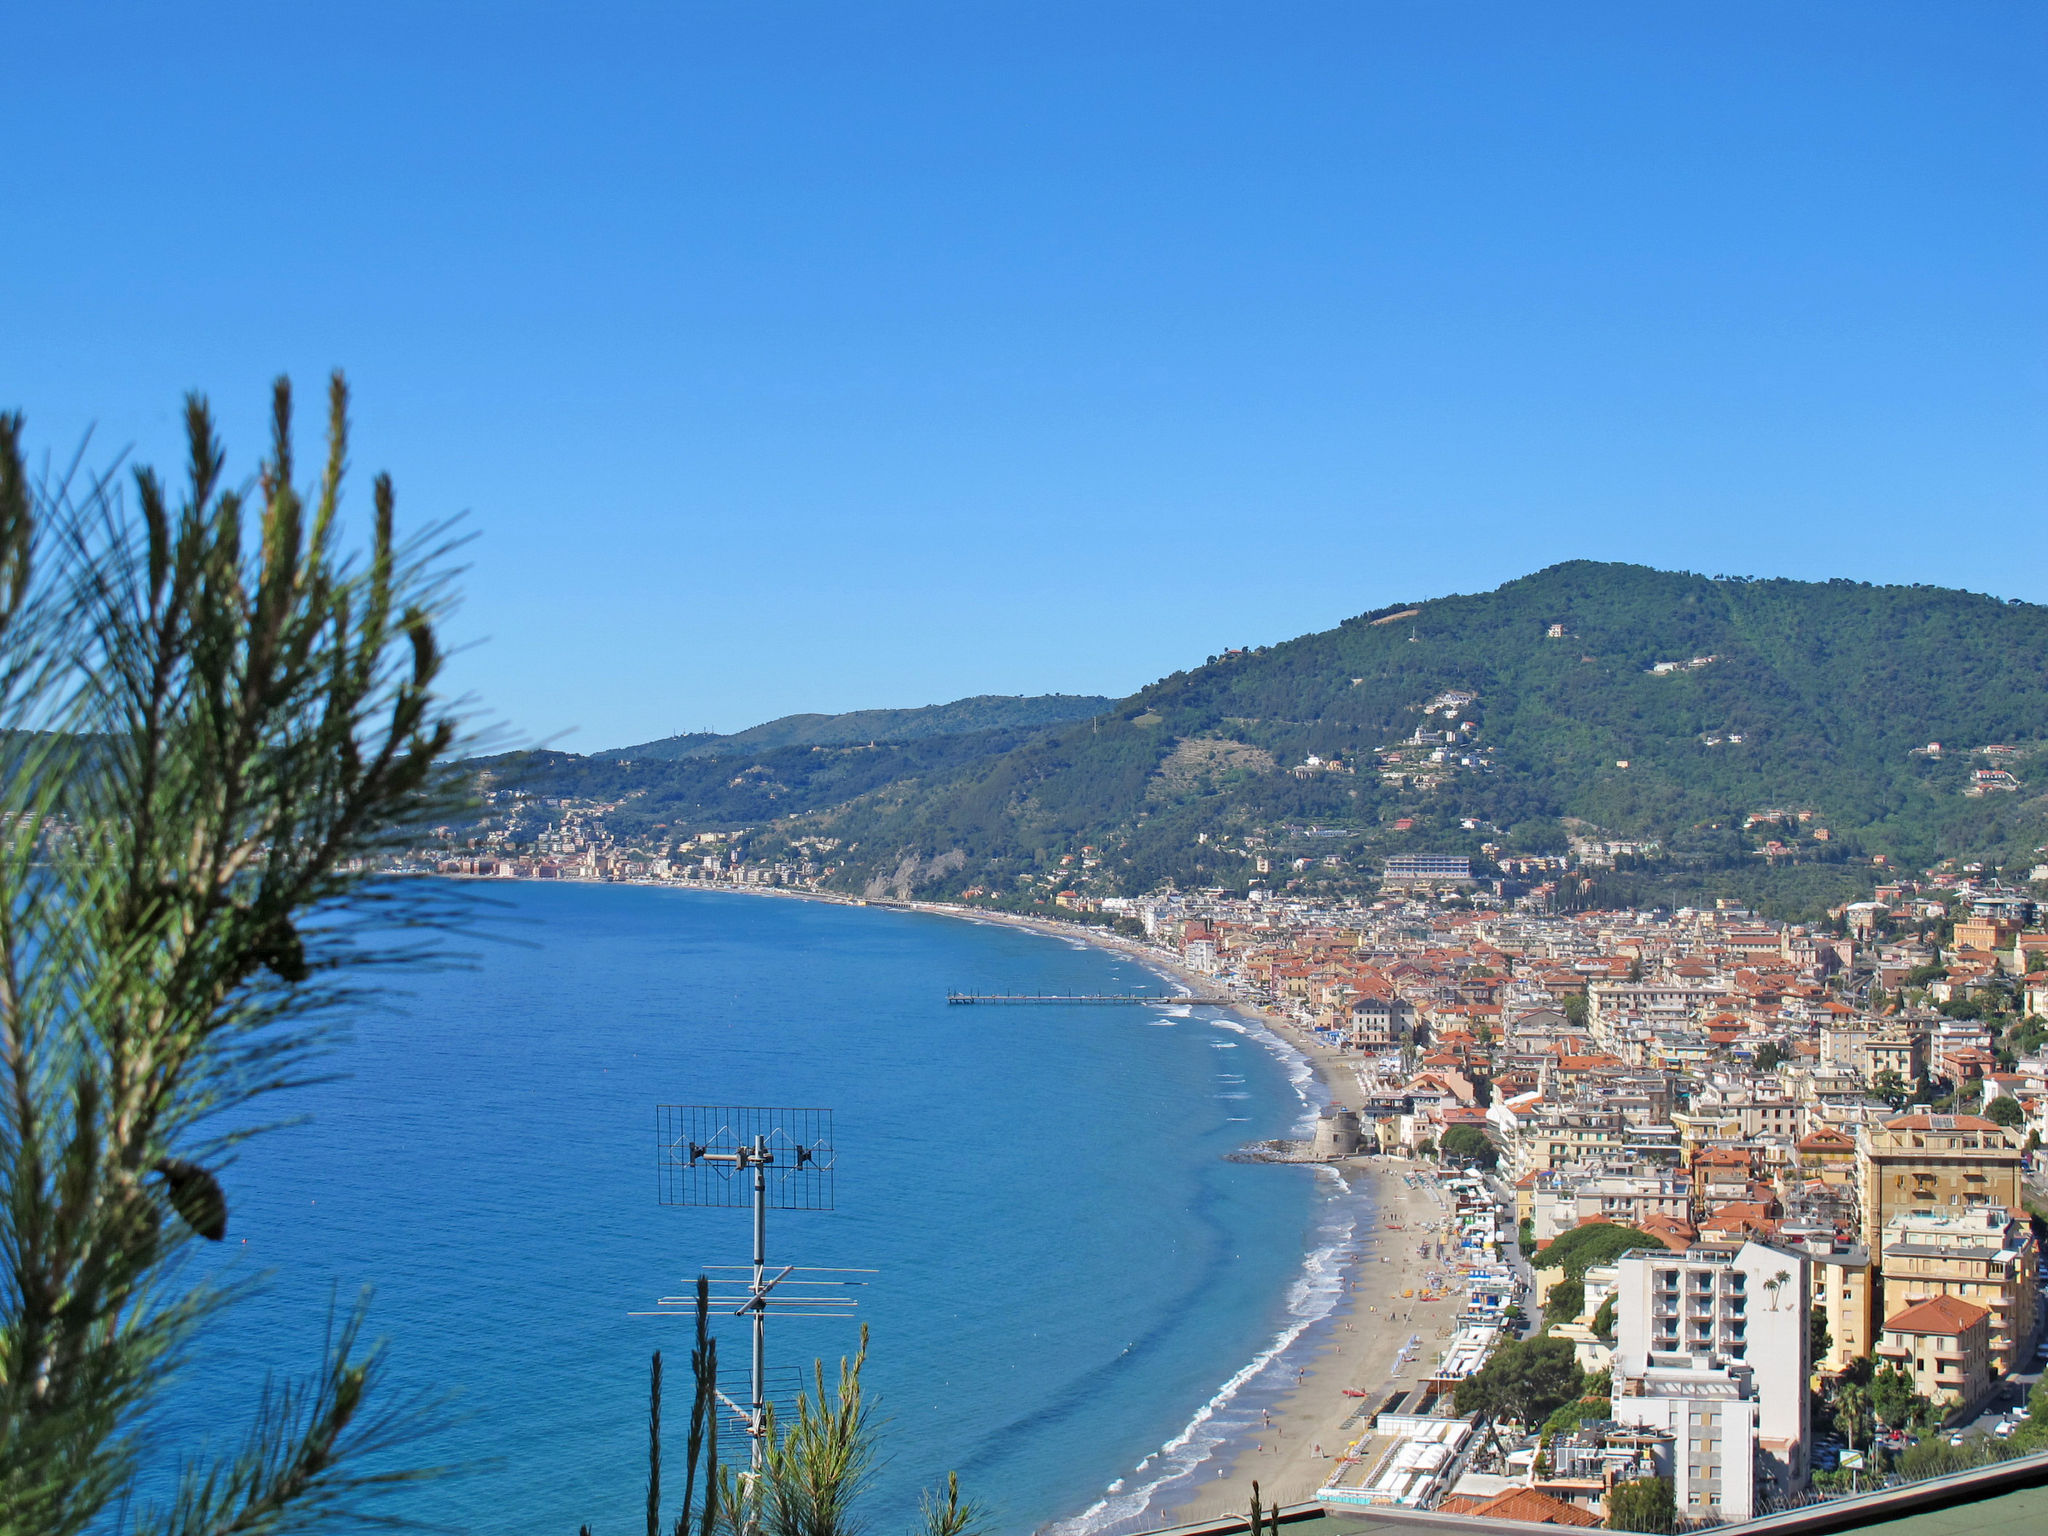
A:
(1068, 1269)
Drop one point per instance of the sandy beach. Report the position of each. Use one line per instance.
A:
(1361, 1345)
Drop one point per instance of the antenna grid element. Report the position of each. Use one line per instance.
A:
(707, 1152)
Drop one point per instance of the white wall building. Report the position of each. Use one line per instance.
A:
(1711, 1348)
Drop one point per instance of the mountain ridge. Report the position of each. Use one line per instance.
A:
(1655, 707)
(959, 717)
(1697, 736)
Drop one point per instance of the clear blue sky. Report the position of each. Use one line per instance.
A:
(826, 356)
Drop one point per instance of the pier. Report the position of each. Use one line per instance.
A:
(1143, 999)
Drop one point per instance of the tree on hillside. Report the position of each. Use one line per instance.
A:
(1596, 1243)
(2005, 1110)
(1642, 1504)
(1469, 1144)
(1770, 1056)
(1523, 1380)
(209, 740)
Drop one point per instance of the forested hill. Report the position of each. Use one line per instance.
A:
(983, 712)
(664, 789)
(1605, 702)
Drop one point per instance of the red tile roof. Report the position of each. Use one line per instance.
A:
(1520, 1504)
(1673, 1233)
(1946, 1315)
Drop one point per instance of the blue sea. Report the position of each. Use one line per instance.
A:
(1072, 1284)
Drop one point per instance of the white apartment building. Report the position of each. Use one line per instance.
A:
(1609, 1004)
(1711, 1348)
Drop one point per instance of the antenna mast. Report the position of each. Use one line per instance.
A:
(738, 1156)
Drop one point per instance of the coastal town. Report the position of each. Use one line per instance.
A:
(1773, 1185)
(1682, 1205)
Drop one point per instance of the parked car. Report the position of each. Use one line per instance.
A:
(1958, 1438)
(2023, 1413)
(2003, 1428)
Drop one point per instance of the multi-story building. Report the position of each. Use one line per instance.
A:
(1845, 1292)
(1928, 1162)
(1944, 1344)
(1712, 1349)
(1827, 1156)
(1563, 1199)
(1670, 1000)
(1376, 1022)
(1903, 1052)
(1558, 1137)
(1983, 1255)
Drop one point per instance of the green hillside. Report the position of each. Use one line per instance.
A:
(1723, 698)
(648, 796)
(962, 717)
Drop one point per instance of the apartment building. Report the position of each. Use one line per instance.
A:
(1928, 1162)
(1377, 1022)
(1945, 1345)
(1561, 1200)
(1557, 1138)
(1712, 1349)
(1845, 1289)
(1668, 1001)
(1983, 1255)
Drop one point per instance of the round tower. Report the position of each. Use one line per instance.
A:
(1336, 1134)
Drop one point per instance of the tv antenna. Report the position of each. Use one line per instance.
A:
(734, 1156)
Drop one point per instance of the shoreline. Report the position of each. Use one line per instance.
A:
(1287, 1433)
(1283, 1417)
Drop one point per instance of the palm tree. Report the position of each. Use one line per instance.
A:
(1852, 1408)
